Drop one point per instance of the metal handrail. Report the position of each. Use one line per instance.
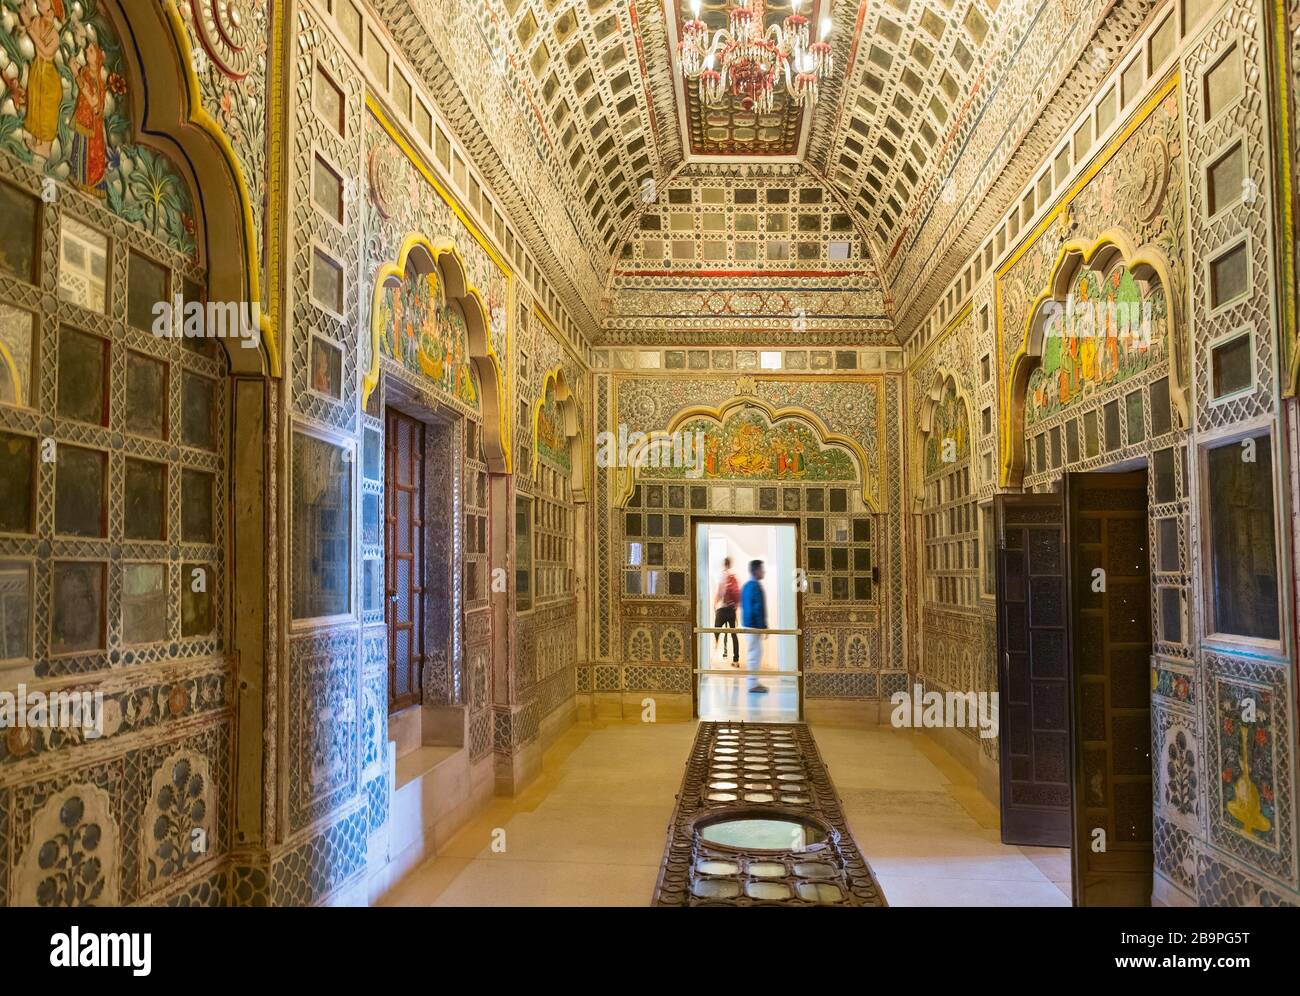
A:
(747, 629)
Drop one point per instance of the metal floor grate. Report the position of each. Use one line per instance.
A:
(758, 823)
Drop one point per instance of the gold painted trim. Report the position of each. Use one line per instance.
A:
(397, 270)
(1282, 163)
(417, 160)
(15, 377)
(1011, 397)
(556, 376)
(557, 335)
(962, 314)
(930, 398)
(199, 117)
(625, 480)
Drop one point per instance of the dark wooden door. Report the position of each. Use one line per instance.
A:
(1111, 623)
(404, 556)
(1033, 670)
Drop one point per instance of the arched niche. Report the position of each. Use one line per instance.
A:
(640, 451)
(1112, 251)
(442, 263)
(557, 428)
(168, 116)
(946, 413)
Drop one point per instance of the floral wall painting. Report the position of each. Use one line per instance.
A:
(64, 109)
(1105, 332)
(427, 335)
(1246, 757)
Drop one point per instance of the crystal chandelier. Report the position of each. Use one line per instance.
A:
(749, 61)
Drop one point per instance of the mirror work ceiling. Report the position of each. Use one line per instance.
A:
(927, 102)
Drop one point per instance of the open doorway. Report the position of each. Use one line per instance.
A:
(1074, 635)
(747, 621)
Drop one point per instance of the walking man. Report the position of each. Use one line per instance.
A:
(724, 613)
(753, 610)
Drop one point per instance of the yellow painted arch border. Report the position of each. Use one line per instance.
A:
(200, 118)
(1112, 247)
(483, 356)
(930, 398)
(565, 397)
(7, 359)
(626, 478)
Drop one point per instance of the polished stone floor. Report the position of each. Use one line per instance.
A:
(727, 697)
(591, 830)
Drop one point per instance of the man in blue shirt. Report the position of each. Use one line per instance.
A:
(753, 612)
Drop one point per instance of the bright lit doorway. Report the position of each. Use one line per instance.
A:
(741, 674)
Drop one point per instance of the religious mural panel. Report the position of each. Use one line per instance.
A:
(552, 443)
(64, 108)
(1106, 332)
(427, 335)
(949, 438)
(746, 446)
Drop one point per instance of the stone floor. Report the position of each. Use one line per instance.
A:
(727, 697)
(591, 830)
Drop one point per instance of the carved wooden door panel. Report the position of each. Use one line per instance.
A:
(1033, 670)
(1111, 625)
(404, 557)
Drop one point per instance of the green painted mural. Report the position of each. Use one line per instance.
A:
(1104, 333)
(427, 335)
(949, 437)
(552, 443)
(64, 108)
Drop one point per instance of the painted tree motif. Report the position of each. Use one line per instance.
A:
(65, 109)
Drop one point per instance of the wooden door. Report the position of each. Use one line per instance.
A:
(404, 566)
(1111, 649)
(1033, 670)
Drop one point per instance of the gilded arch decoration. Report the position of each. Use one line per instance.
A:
(557, 430)
(161, 163)
(946, 412)
(453, 337)
(751, 455)
(1138, 286)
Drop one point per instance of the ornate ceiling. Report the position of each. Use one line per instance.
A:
(733, 130)
(929, 99)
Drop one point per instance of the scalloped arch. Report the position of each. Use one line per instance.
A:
(170, 118)
(930, 401)
(626, 477)
(572, 429)
(1112, 248)
(444, 259)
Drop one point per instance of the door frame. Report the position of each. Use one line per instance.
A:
(441, 436)
(695, 522)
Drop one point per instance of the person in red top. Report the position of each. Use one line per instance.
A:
(724, 613)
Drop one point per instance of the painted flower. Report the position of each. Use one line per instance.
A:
(116, 84)
(1261, 737)
(1181, 687)
(1228, 775)
(187, 222)
(1228, 725)
(1266, 792)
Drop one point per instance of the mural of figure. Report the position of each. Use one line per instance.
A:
(44, 84)
(89, 158)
